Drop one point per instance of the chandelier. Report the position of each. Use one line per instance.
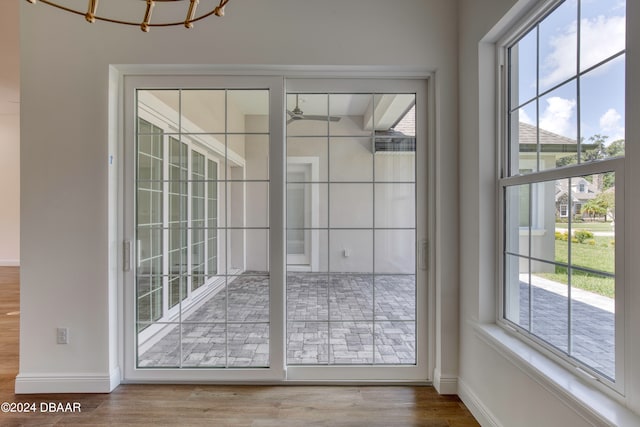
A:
(91, 14)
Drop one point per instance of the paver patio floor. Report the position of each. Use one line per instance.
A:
(592, 328)
(350, 319)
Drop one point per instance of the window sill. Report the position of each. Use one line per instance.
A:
(594, 405)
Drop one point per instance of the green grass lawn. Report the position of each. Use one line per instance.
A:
(600, 257)
(591, 226)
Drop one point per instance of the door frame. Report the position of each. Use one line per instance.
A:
(126, 77)
(309, 166)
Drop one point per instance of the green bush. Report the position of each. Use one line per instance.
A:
(583, 235)
(590, 242)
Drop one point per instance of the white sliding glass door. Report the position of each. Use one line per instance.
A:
(201, 297)
(273, 233)
(356, 191)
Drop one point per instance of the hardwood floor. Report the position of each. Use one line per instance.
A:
(200, 405)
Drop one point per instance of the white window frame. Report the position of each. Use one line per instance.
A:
(615, 388)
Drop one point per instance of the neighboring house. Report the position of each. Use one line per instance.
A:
(581, 192)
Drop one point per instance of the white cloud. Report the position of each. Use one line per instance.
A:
(524, 118)
(557, 116)
(601, 37)
(611, 125)
(560, 64)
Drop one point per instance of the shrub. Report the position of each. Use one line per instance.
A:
(559, 236)
(583, 235)
(590, 242)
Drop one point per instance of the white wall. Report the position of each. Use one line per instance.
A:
(66, 280)
(9, 135)
(499, 388)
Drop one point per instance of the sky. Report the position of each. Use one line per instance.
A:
(600, 104)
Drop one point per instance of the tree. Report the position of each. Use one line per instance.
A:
(602, 205)
(600, 150)
(616, 148)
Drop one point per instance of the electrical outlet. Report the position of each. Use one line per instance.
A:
(62, 335)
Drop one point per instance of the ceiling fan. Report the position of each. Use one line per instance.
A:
(298, 114)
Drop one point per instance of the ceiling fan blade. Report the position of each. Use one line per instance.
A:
(290, 113)
(322, 118)
(290, 120)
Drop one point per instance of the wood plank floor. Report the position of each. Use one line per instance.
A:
(200, 405)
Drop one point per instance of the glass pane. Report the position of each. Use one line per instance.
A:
(395, 297)
(307, 159)
(307, 114)
(256, 155)
(602, 30)
(516, 290)
(256, 212)
(602, 111)
(308, 250)
(395, 113)
(213, 310)
(351, 297)
(517, 219)
(350, 343)
(593, 320)
(165, 352)
(202, 111)
(248, 298)
(549, 201)
(351, 251)
(248, 251)
(523, 58)
(307, 343)
(395, 343)
(395, 166)
(236, 199)
(152, 101)
(248, 111)
(395, 251)
(351, 159)
(558, 127)
(395, 206)
(523, 143)
(350, 115)
(248, 345)
(203, 345)
(307, 296)
(307, 205)
(558, 45)
(550, 305)
(351, 205)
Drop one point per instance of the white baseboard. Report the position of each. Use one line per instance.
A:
(72, 383)
(481, 413)
(445, 385)
(9, 263)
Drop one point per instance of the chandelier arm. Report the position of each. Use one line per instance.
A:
(215, 11)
